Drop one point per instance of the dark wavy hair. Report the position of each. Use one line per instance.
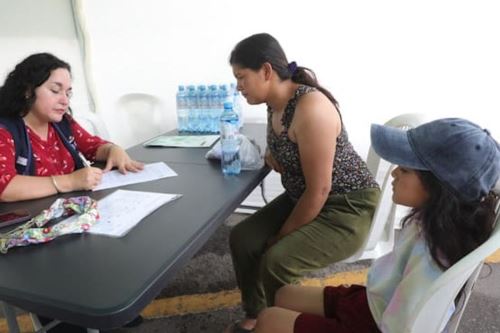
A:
(252, 52)
(452, 227)
(17, 94)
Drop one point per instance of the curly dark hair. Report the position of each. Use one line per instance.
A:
(452, 227)
(252, 52)
(17, 94)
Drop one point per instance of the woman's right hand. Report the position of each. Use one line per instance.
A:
(85, 178)
(271, 162)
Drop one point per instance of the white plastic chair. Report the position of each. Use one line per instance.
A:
(380, 239)
(140, 117)
(433, 310)
(403, 121)
(93, 123)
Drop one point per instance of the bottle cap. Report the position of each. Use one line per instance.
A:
(228, 105)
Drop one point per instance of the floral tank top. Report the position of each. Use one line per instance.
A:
(350, 172)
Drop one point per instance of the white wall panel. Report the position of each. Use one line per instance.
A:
(28, 27)
(379, 58)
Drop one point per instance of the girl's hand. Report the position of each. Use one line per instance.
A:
(271, 162)
(84, 179)
(117, 157)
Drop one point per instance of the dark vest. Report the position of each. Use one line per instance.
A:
(24, 155)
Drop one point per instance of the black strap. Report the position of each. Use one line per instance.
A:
(24, 155)
(63, 128)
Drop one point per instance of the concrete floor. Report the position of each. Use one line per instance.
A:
(210, 271)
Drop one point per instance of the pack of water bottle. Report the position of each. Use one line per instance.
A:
(199, 107)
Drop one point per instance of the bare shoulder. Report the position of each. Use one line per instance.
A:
(316, 110)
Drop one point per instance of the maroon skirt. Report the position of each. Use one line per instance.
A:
(346, 311)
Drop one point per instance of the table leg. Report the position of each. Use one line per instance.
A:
(36, 322)
(10, 316)
(263, 192)
(37, 325)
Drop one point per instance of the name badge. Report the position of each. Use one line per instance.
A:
(22, 161)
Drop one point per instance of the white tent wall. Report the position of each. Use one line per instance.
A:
(28, 27)
(379, 58)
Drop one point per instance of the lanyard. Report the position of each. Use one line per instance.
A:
(35, 230)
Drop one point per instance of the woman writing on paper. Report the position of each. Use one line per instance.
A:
(41, 146)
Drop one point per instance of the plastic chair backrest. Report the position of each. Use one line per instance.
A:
(141, 116)
(433, 310)
(92, 123)
(403, 121)
(380, 239)
(464, 298)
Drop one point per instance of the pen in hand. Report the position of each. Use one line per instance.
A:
(86, 163)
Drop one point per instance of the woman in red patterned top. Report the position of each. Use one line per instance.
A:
(37, 92)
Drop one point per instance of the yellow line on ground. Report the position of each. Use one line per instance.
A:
(494, 258)
(180, 305)
(197, 303)
(24, 322)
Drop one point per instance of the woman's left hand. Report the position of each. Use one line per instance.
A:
(117, 157)
(273, 240)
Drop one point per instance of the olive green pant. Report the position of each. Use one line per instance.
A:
(335, 234)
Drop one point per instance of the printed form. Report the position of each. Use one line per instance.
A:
(122, 210)
(151, 172)
(186, 141)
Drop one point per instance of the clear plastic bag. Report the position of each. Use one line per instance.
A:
(250, 153)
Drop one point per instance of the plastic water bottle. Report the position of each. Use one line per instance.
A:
(192, 105)
(232, 88)
(182, 109)
(238, 106)
(203, 110)
(224, 95)
(230, 144)
(214, 114)
(223, 98)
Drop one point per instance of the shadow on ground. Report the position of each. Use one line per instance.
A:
(210, 270)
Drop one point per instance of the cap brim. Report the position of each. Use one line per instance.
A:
(392, 144)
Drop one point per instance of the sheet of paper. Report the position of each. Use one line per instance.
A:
(122, 210)
(151, 172)
(186, 141)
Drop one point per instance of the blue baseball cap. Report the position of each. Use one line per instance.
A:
(458, 152)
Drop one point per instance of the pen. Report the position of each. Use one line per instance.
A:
(86, 163)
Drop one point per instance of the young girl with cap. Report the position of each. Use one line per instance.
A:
(446, 171)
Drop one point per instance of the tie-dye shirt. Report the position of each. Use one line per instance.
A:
(397, 281)
(51, 156)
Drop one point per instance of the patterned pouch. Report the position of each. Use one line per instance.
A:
(35, 230)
